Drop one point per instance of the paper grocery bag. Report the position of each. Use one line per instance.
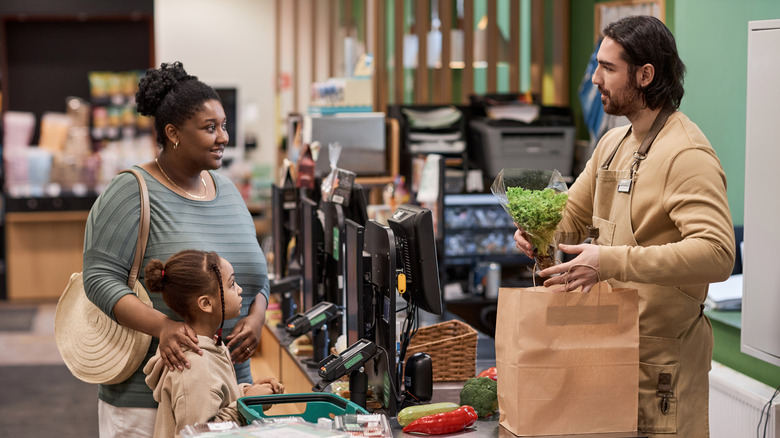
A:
(567, 362)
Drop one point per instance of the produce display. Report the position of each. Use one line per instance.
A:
(481, 393)
(410, 413)
(445, 422)
(490, 372)
(478, 399)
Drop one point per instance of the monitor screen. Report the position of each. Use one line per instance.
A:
(416, 247)
(312, 242)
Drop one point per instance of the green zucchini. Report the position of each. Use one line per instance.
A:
(411, 413)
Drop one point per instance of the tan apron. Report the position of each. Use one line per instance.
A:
(675, 338)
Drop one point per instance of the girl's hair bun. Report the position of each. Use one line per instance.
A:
(154, 275)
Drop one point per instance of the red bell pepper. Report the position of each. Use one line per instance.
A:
(445, 422)
(490, 372)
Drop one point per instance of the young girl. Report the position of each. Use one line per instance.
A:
(200, 286)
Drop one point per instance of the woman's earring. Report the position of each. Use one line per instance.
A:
(175, 145)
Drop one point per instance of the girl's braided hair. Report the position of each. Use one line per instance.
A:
(184, 277)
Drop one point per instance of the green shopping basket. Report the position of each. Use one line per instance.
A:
(318, 405)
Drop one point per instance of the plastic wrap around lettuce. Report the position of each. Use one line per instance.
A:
(535, 199)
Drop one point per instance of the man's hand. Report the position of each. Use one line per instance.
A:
(583, 270)
(523, 242)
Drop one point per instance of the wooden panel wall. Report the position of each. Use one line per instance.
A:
(549, 21)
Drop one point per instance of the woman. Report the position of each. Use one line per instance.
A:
(191, 207)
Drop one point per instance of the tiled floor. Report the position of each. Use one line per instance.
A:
(34, 379)
(34, 347)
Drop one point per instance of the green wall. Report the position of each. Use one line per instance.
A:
(726, 328)
(712, 41)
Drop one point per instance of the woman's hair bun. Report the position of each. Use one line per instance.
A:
(157, 83)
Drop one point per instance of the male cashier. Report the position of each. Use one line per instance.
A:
(653, 200)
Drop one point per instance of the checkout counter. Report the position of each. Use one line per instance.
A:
(273, 358)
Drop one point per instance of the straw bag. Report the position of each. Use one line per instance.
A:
(95, 348)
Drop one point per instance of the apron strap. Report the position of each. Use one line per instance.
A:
(611, 156)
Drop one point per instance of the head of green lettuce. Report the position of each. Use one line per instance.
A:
(538, 212)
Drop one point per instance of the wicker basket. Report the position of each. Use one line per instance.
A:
(452, 346)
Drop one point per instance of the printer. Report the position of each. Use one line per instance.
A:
(546, 143)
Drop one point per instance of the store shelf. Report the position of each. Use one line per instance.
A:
(477, 229)
(55, 203)
(46, 248)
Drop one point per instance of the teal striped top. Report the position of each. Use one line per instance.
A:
(223, 225)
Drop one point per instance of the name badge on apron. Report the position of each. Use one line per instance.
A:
(624, 186)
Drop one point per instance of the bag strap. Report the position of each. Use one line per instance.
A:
(143, 229)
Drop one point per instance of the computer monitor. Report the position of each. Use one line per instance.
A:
(406, 246)
(311, 240)
(333, 262)
(333, 230)
(380, 246)
(362, 138)
(415, 244)
(284, 226)
(334, 216)
(357, 208)
(354, 237)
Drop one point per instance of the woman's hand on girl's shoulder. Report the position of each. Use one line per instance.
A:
(173, 336)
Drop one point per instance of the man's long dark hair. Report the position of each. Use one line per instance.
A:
(646, 40)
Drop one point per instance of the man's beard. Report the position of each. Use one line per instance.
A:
(623, 102)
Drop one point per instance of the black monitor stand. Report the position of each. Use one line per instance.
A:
(319, 343)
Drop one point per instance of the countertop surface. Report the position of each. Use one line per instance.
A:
(450, 392)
